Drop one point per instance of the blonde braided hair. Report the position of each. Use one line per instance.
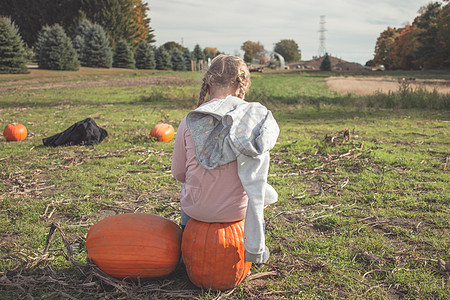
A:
(225, 71)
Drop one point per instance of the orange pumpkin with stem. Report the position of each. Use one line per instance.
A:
(15, 132)
(162, 132)
(214, 254)
(135, 245)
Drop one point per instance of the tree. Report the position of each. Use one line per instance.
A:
(325, 65)
(289, 50)
(123, 56)
(177, 59)
(197, 53)
(187, 59)
(122, 19)
(162, 58)
(444, 35)
(145, 57)
(251, 50)
(384, 48)
(79, 37)
(210, 52)
(13, 56)
(97, 52)
(54, 50)
(426, 34)
(403, 50)
(32, 16)
(169, 46)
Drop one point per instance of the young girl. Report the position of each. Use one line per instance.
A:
(221, 154)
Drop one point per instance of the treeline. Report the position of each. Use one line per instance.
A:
(90, 46)
(121, 19)
(423, 44)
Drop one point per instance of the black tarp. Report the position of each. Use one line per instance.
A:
(85, 132)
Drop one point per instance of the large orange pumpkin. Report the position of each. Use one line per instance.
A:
(15, 132)
(162, 132)
(135, 244)
(214, 254)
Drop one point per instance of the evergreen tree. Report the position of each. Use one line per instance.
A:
(79, 37)
(177, 59)
(162, 58)
(198, 54)
(145, 56)
(325, 65)
(123, 56)
(97, 52)
(54, 50)
(187, 59)
(13, 56)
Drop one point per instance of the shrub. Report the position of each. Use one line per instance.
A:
(145, 57)
(13, 56)
(123, 56)
(177, 59)
(54, 50)
(162, 58)
(97, 52)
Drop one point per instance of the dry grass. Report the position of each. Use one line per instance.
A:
(374, 85)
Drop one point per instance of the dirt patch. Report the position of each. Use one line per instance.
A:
(92, 81)
(372, 85)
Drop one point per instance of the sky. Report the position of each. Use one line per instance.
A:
(352, 26)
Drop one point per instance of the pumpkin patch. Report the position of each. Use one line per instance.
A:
(214, 254)
(15, 132)
(135, 245)
(162, 132)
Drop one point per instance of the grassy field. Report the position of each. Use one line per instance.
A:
(364, 217)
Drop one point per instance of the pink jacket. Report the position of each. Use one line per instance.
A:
(215, 195)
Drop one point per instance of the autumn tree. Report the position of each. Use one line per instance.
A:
(403, 50)
(289, 50)
(384, 48)
(251, 50)
(210, 52)
(121, 19)
(169, 46)
(425, 43)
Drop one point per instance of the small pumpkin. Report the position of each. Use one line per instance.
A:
(135, 244)
(162, 132)
(15, 132)
(214, 254)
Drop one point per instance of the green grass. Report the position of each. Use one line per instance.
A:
(366, 217)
